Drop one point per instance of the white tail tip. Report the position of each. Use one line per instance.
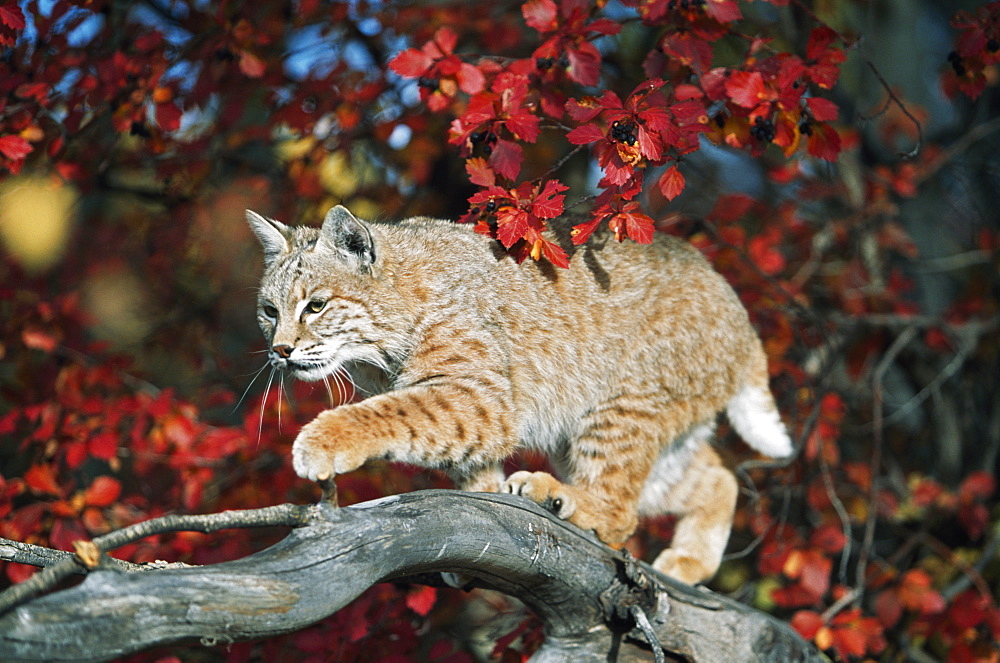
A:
(755, 417)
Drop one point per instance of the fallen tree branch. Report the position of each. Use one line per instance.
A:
(588, 596)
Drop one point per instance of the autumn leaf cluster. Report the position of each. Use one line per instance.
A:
(133, 136)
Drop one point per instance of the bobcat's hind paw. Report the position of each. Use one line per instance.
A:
(543, 489)
(680, 566)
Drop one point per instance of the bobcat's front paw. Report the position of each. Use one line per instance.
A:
(321, 450)
(543, 489)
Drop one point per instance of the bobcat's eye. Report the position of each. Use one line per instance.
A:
(316, 305)
(269, 311)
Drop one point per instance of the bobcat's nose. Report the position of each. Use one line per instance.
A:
(283, 351)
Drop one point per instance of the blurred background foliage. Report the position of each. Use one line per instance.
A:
(133, 135)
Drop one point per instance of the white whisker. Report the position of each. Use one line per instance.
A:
(263, 403)
(247, 390)
(281, 393)
(329, 390)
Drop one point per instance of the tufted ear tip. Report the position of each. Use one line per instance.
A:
(345, 232)
(272, 235)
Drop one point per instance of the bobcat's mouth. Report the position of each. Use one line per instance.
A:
(308, 370)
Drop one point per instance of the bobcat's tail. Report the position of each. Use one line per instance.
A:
(755, 417)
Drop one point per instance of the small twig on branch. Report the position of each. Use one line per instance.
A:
(875, 463)
(67, 564)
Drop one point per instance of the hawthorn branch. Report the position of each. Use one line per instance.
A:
(596, 604)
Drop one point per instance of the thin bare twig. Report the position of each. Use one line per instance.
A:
(287, 515)
(895, 348)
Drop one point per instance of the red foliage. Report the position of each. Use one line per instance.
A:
(159, 131)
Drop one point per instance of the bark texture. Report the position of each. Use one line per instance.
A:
(586, 594)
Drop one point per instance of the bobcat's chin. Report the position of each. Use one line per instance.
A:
(313, 373)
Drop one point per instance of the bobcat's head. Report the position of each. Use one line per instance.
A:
(323, 305)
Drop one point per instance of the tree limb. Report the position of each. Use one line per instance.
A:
(587, 595)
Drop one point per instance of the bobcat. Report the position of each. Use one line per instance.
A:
(615, 368)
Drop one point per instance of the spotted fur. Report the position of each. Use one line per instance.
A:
(616, 368)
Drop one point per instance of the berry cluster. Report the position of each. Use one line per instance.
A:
(763, 130)
(684, 4)
(487, 139)
(624, 132)
(544, 64)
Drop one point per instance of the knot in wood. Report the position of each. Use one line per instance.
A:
(631, 587)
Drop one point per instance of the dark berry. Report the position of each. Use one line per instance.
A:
(476, 136)
(544, 63)
(487, 150)
(624, 132)
(762, 130)
(427, 82)
(564, 62)
(491, 206)
(720, 120)
(993, 45)
(139, 129)
(805, 127)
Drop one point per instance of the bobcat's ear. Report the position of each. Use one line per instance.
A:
(343, 231)
(273, 235)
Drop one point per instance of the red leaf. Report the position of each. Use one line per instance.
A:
(582, 232)
(168, 116)
(745, 88)
(65, 532)
(251, 66)
(819, 39)
(411, 63)
(807, 622)
(555, 254)
(850, 640)
(104, 445)
(549, 203)
(540, 15)
(587, 133)
(103, 492)
(584, 63)
(511, 224)
(829, 538)
(479, 172)
(39, 339)
(421, 599)
(765, 255)
(731, 207)
(723, 11)
(445, 38)
(12, 16)
(42, 479)
(824, 142)
(470, 79)
(672, 183)
(14, 147)
(977, 486)
(638, 226)
(888, 608)
(506, 158)
(19, 572)
(822, 109)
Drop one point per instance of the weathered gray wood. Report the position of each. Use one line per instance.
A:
(580, 589)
